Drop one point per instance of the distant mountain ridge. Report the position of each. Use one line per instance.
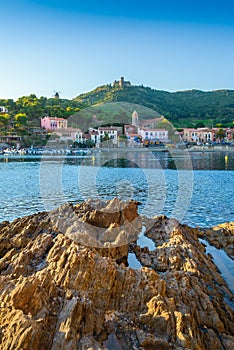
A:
(182, 108)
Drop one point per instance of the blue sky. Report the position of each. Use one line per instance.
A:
(73, 46)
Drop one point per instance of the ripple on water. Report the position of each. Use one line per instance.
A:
(210, 203)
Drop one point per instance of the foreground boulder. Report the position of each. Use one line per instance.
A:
(59, 293)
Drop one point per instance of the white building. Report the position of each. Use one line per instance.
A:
(72, 134)
(94, 134)
(153, 134)
(3, 109)
(110, 133)
(104, 134)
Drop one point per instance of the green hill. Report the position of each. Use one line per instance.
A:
(110, 113)
(115, 105)
(183, 108)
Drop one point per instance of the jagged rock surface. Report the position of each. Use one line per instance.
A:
(59, 294)
(221, 236)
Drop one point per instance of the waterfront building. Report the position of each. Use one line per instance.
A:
(130, 129)
(94, 135)
(160, 135)
(104, 134)
(201, 135)
(134, 139)
(50, 123)
(111, 133)
(230, 134)
(71, 134)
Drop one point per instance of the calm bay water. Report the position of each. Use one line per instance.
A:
(196, 188)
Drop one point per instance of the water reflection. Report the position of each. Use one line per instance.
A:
(133, 262)
(144, 241)
(132, 159)
(222, 260)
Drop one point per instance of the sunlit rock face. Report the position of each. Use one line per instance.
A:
(221, 236)
(62, 288)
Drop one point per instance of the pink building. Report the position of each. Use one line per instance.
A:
(130, 129)
(230, 134)
(50, 123)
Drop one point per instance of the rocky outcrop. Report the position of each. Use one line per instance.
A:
(221, 236)
(100, 224)
(59, 293)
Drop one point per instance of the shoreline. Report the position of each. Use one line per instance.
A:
(80, 151)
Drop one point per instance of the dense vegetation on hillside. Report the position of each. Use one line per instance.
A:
(24, 116)
(36, 108)
(185, 108)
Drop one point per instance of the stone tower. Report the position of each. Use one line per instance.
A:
(135, 118)
(121, 82)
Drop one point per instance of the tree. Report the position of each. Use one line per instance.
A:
(220, 134)
(90, 144)
(21, 120)
(4, 121)
(105, 137)
(199, 125)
